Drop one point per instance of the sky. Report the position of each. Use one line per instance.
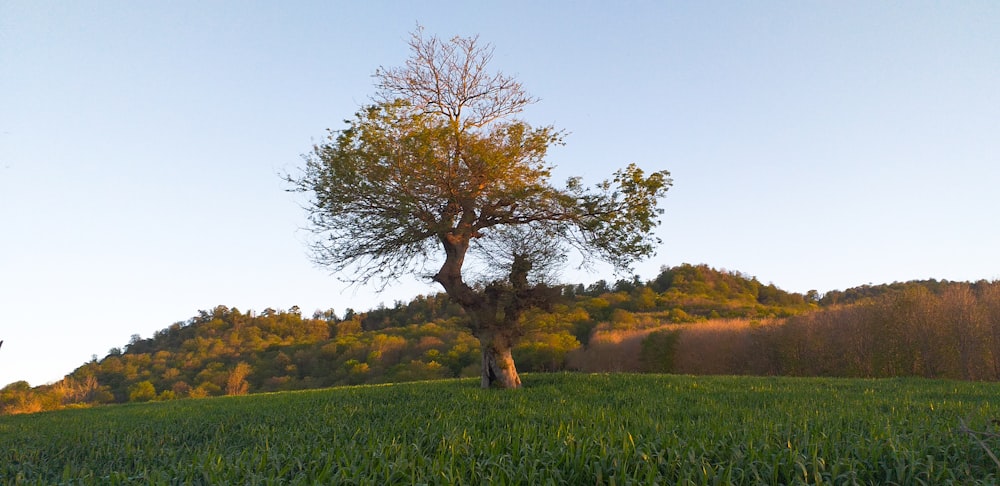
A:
(814, 145)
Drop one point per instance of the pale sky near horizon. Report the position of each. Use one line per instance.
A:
(815, 145)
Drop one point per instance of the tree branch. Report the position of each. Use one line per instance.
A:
(977, 436)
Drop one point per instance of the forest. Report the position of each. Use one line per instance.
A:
(689, 319)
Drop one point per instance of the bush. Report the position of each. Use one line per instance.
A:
(143, 391)
(657, 352)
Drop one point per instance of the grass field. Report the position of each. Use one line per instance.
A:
(559, 429)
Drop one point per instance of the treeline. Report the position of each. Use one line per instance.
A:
(689, 319)
(227, 351)
(941, 330)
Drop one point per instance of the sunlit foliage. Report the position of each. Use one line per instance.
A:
(670, 324)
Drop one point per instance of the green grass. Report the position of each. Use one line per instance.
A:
(559, 429)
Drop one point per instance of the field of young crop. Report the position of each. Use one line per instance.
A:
(559, 429)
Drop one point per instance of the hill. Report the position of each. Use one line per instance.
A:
(689, 319)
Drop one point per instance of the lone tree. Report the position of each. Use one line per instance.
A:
(438, 166)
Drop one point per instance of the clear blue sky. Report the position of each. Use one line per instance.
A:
(816, 145)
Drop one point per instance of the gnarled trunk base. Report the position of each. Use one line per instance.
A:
(498, 365)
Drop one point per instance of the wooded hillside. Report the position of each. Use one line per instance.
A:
(689, 319)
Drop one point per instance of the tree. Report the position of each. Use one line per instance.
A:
(236, 382)
(438, 168)
(142, 391)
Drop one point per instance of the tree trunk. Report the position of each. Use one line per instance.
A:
(498, 365)
(494, 314)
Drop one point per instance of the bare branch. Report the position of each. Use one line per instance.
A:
(977, 436)
(451, 79)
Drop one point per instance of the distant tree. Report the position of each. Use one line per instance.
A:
(143, 391)
(624, 285)
(439, 165)
(597, 288)
(657, 351)
(19, 397)
(236, 383)
(328, 315)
